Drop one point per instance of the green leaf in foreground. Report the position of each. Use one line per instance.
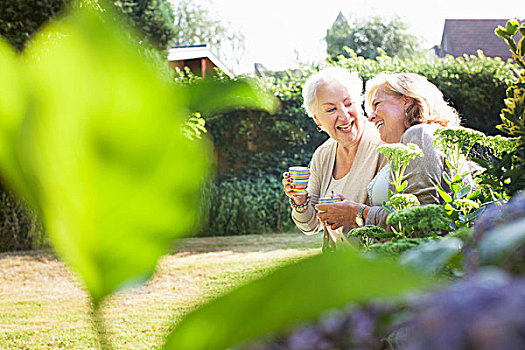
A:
(502, 241)
(433, 255)
(296, 292)
(13, 102)
(115, 179)
(99, 151)
(203, 96)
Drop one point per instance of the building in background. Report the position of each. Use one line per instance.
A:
(198, 58)
(467, 36)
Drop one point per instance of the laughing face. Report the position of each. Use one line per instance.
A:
(338, 115)
(388, 115)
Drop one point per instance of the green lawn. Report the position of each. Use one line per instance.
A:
(44, 306)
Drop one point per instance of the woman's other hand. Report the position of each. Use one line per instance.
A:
(338, 214)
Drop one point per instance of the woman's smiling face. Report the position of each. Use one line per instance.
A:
(338, 115)
(388, 115)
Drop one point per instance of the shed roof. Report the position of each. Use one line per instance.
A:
(188, 52)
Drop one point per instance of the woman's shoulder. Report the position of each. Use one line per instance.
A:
(326, 146)
(325, 149)
(419, 132)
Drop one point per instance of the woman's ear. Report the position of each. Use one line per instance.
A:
(408, 101)
(317, 121)
(319, 126)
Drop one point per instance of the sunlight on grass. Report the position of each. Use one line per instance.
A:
(43, 306)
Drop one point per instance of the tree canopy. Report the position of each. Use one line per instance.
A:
(19, 20)
(368, 36)
(195, 24)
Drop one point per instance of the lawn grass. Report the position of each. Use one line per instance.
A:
(44, 306)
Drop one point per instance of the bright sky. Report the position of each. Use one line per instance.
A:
(278, 31)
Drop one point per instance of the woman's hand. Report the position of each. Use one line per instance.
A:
(288, 190)
(338, 214)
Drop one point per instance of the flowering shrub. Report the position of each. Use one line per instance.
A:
(403, 200)
(456, 143)
(399, 155)
(501, 145)
(503, 174)
(421, 221)
(367, 234)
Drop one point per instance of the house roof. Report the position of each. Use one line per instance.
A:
(188, 52)
(467, 36)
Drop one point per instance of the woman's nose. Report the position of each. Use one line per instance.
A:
(345, 112)
(372, 116)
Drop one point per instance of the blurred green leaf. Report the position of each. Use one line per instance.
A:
(92, 132)
(242, 92)
(431, 256)
(500, 242)
(296, 292)
(116, 180)
(102, 154)
(13, 105)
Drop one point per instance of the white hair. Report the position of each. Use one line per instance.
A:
(350, 80)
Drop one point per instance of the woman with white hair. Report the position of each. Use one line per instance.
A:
(348, 160)
(405, 108)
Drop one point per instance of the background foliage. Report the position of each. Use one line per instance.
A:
(196, 24)
(153, 18)
(370, 36)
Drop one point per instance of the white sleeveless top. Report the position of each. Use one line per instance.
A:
(337, 186)
(378, 187)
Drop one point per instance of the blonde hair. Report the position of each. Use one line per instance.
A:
(350, 80)
(429, 104)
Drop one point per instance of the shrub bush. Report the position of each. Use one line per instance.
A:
(19, 228)
(20, 19)
(244, 205)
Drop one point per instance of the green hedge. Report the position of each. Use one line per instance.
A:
(244, 205)
(19, 227)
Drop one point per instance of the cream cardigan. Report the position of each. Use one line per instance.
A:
(366, 164)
